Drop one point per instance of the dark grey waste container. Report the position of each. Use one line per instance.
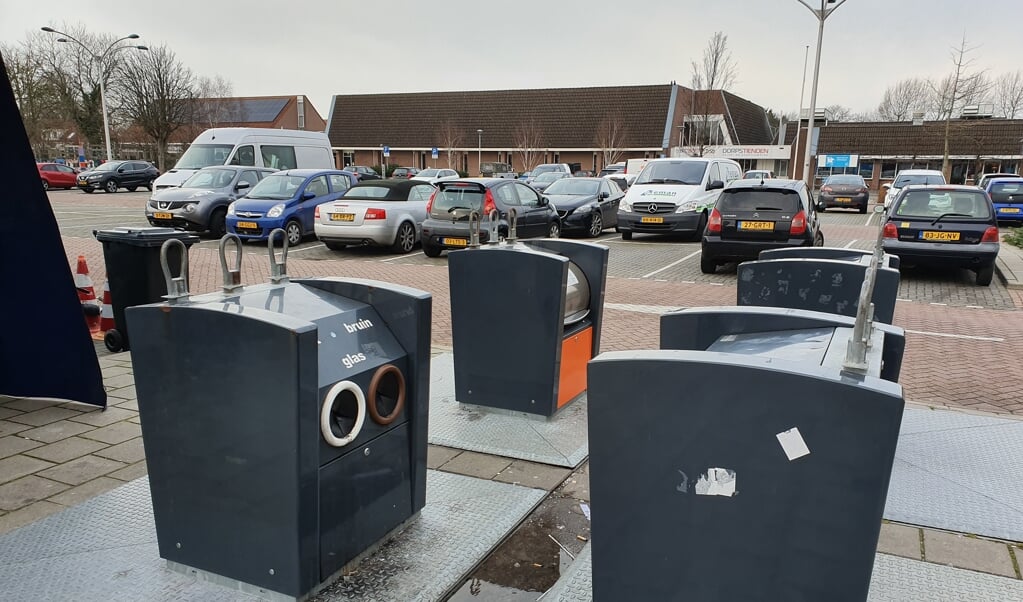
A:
(757, 472)
(132, 259)
(889, 261)
(285, 427)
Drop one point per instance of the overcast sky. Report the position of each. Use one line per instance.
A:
(325, 47)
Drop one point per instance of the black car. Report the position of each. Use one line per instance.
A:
(404, 172)
(365, 173)
(753, 215)
(447, 219)
(586, 205)
(949, 226)
(846, 191)
(119, 174)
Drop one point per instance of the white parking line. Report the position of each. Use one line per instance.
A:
(404, 256)
(850, 243)
(672, 264)
(869, 218)
(957, 336)
(319, 245)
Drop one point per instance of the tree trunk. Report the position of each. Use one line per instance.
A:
(161, 153)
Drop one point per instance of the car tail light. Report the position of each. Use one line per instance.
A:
(488, 203)
(798, 223)
(429, 203)
(890, 231)
(714, 222)
(826, 189)
(376, 214)
(990, 235)
(316, 214)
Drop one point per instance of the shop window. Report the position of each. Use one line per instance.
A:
(888, 170)
(866, 170)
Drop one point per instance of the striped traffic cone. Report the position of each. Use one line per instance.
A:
(87, 295)
(106, 316)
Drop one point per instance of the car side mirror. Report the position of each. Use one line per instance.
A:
(543, 201)
(604, 194)
(242, 186)
(715, 185)
(308, 195)
(120, 170)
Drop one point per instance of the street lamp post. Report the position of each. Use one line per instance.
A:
(99, 59)
(479, 151)
(822, 14)
(799, 113)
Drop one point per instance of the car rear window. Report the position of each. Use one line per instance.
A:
(1001, 191)
(931, 204)
(845, 180)
(367, 192)
(456, 201)
(908, 180)
(759, 200)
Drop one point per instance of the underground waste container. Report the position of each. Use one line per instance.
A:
(132, 259)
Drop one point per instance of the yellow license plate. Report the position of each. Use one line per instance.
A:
(651, 220)
(939, 236)
(1009, 210)
(163, 216)
(844, 199)
(454, 242)
(756, 225)
(342, 217)
(248, 225)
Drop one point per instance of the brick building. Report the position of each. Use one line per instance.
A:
(589, 126)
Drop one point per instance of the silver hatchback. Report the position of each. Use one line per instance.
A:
(387, 213)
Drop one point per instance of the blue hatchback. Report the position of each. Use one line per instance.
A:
(1007, 196)
(288, 200)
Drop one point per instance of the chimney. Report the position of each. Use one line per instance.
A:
(918, 118)
(301, 111)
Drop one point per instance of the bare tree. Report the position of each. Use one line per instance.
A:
(963, 86)
(213, 100)
(839, 112)
(529, 143)
(904, 98)
(610, 138)
(33, 93)
(451, 137)
(156, 92)
(1009, 94)
(715, 71)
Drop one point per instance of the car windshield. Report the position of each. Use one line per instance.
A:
(845, 181)
(739, 199)
(1001, 192)
(573, 186)
(204, 155)
(909, 180)
(110, 166)
(210, 179)
(367, 192)
(673, 172)
(455, 202)
(429, 173)
(931, 204)
(548, 177)
(276, 187)
(542, 169)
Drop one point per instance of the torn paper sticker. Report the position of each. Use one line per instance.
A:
(717, 481)
(792, 443)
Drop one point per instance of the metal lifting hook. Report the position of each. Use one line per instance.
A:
(493, 225)
(474, 229)
(177, 287)
(232, 277)
(859, 342)
(278, 269)
(513, 224)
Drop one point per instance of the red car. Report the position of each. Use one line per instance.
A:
(55, 175)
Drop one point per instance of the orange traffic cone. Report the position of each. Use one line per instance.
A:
(106, 316)
(87, 295)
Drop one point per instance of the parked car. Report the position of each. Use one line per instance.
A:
(1007, 197)
(587, 205)
(386, 213)
(946, 226)
(55, 175)
(983, 180)
(674, 196)
(288, 200)
(447, 221)
(436, 175)
(525, 175)
(909, 177)
(756, 174)
(582, 173)
(365, 173)
(753, 215)
(539, 170)
(119, 174)
(623, 180)
(847, 191)
(200, 203)
(404, 172)
(611, 169)
(544, 180)
(494, 169)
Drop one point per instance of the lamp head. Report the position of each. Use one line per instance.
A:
(133, 36)
(140, 47)
(63, 40)
(49, 29)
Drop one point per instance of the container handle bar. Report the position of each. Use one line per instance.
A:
(177, 287)
(474, 229)
(493, 219)
(278, 269)
(513, 224)
(232, 277)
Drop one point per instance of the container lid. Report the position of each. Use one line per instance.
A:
(144, 236)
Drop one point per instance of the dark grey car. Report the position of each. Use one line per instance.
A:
(200, 203)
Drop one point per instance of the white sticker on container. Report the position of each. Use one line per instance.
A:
(792, 443)
(717, 481)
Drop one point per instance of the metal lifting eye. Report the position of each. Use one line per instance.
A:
(177, 287)
(278, 269)
(232, 277)
(474, 229)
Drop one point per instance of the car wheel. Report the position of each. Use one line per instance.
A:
(822, 208)
(707, 264)
(984, 275)
(696, 236)
(113, 340)
(863, 209)
(110, 186)
(405, 239)
(818, 241)
(46, 185)
(334, 246)
(596, 225)
(430, 250)
(149, 186)
(87, 190)
(218, 223)
(132, 188)
(293, 230)
(627, 235)
(554, 230)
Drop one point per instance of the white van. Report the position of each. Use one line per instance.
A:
(674, 196)
(256, 147)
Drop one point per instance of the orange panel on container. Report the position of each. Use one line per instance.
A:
(575, 353)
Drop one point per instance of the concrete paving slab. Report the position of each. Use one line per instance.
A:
(67, 449)
(119, 432)
(127, 404)
(56, 431)
(481, 466)
(81, 470)
(8, 412)
(27, 515)
(129, 452)
(531, 474)
(15, 444)
(121, 380)
(11, 428)
(43, 416)
(85, 491)
(899, 540)
(30, 405)
(130, 473)
(982, 555)
(18, 466)
(105, 417)
(123, 393)
(577, 485)
(436, 455)
(26, 490)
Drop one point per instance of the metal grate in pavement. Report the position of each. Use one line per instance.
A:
(105, 549)
(560, 441)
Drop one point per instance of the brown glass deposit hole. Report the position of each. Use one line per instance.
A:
(344, 414)
(386, 394)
